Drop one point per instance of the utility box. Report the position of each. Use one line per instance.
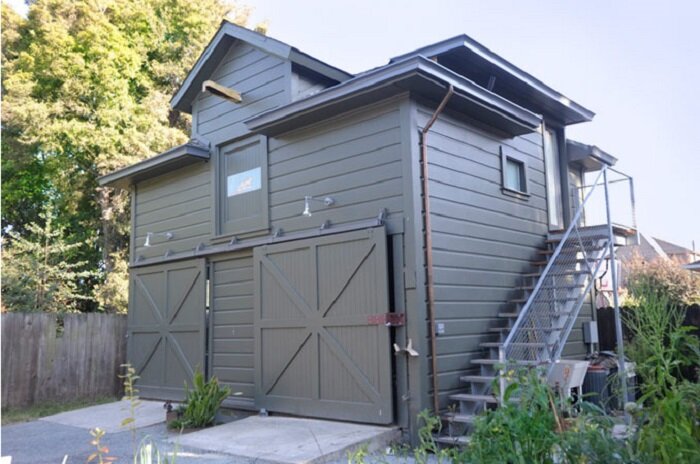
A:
(590, 332)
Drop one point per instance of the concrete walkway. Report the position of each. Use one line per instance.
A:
(254, 439)
(289, 440)
(109, 416)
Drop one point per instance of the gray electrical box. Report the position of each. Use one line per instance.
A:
(590, 332)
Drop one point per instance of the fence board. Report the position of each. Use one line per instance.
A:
(40, 365)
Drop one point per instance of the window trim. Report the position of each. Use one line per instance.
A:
(509, 154)
(252, 226)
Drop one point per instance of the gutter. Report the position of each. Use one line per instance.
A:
(429, 241)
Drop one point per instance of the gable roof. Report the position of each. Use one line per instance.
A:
(464, 54)
(219, 45)
(417, 74)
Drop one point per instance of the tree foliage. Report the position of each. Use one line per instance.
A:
(664, 278)
(37, 276)
(86, 89)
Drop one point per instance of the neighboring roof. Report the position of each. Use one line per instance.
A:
(591, 157)
(673, 249)
(651, 248)
(417, 74)
(219, 46)
(694, 266)
(470, 56)
(177, 157)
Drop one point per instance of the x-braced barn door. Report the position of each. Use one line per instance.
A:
(166, 326)
(321, 348)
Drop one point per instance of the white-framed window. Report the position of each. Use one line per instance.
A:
(514, 173)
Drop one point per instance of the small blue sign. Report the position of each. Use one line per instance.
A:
(243, 182)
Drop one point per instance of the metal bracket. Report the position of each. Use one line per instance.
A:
(233, 241)
(326, 225)
(387, 319)
(167, 253)
(200, 247)
(408, 350)
(381, 217)
(278, 233)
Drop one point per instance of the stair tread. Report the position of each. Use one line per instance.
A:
(500, 344)
(544, 329)
(473, 397)
(477, 378)
(537, 274)
(489, 361)
(459, 417)
(523, 300)
(461, 440)
(516, 314)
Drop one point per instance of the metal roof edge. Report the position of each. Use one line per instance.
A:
(594, 151)
(267, 44)
(121, 177)
(389, 74)
(483, 52)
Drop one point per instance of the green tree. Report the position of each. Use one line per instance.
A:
(35, 275)
(86, 89)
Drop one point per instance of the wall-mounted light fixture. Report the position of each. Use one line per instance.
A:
(328, 201)
(150, 235)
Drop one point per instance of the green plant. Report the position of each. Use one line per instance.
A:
(359, 455)
(513, 433)
(101, 452)
(669, 428)
(131, 395)
(588, 438)
(662, 348)
(665, 277)
(201, 403)
(148, 453)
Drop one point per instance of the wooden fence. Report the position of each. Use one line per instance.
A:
(43, 361)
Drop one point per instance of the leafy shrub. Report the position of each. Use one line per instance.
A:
(662, 348)
(521, 431)
(201, 403)
(665, 277)
(669, 429)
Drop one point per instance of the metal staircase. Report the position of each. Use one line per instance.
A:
(535, 328)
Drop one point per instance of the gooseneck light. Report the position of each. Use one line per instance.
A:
(328, 201)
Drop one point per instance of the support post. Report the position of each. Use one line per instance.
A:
(621, 369)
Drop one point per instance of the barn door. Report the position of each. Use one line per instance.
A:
(321, 348)
(166, 326)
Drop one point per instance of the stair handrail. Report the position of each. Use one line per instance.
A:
(557, 251)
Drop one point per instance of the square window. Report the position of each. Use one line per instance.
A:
(514, 173)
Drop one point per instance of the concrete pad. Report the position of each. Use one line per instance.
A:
(109, 416)
(286, 440)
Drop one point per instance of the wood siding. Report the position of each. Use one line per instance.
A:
(354, 158)
(263, 80)
(484, 240)
(231, 325)
(179, 203)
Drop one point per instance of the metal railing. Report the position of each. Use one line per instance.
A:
(619, 198)
(543, 325)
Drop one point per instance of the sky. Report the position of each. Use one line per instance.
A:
(635, 63)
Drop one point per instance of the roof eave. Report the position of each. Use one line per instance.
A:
(392, 74)
(176, 157)
(590, 157)
(463, 40)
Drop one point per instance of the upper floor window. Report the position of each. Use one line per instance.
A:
(242, 197)
(514, 173)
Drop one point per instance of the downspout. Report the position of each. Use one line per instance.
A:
(429, 241)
